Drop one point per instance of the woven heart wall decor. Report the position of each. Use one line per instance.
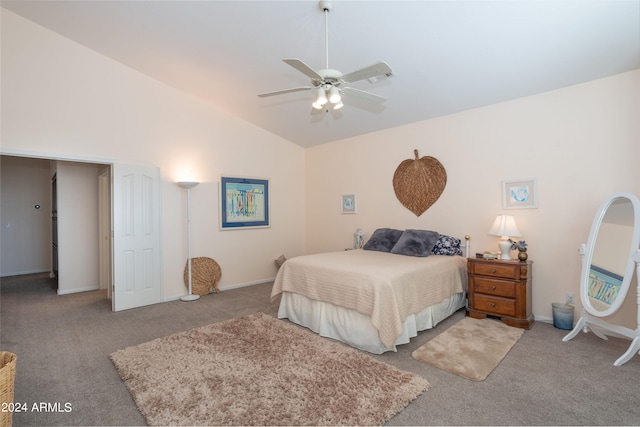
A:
(419, 182)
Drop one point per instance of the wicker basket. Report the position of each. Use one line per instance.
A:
(205, 275)
(7, 379)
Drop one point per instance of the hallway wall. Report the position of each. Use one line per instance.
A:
(25, 237)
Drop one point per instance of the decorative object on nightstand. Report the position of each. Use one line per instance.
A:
(505, 226)
(500, 288)
(521, 246)
(189, 185)
(358, 239)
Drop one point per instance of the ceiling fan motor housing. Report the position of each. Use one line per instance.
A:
(329, 77)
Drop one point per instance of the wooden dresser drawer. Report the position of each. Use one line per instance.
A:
(496, 305)
(497, 270)
(485, 285)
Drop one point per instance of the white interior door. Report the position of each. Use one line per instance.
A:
(136, 236)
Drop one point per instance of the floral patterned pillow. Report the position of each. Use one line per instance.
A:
(447, 245)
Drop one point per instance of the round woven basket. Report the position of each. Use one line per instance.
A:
(205, 275)
(7, 379)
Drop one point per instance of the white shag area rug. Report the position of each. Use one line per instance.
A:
(258, 370)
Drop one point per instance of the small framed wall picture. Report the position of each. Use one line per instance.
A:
(520, 194)
(348, 204)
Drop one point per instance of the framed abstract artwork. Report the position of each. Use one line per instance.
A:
(519, 194)
(244, 203)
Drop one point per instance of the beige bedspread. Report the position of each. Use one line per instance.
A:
(387, 287)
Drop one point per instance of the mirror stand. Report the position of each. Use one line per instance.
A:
(598, 326)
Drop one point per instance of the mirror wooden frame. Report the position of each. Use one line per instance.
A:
(591, 317)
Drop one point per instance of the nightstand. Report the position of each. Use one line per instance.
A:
(500, 288)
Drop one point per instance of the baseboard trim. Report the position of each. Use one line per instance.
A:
(245, 284)
(76, 290)
(23, 273)
(226, 288)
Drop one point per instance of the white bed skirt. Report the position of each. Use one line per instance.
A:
(356, 329)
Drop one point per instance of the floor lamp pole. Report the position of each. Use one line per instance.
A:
(189, 185)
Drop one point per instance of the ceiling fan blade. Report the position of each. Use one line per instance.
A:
(303, 68)
(374, 70)
(280, 92)
(364, 95)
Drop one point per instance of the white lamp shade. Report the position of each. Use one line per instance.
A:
(334, 95)
(504, 225)
(188, 184)
(321, 99)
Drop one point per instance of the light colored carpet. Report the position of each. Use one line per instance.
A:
(258, 370)
(472, 348)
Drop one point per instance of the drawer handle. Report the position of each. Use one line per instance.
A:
(493, 288)
(493, 304)
(493, 270)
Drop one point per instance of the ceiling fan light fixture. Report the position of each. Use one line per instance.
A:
(321, 98)
(334, 95)
(338, 105)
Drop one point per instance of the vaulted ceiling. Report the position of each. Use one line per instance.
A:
(447, 56)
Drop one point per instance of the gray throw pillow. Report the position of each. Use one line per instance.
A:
(416, 243)
(383, 240)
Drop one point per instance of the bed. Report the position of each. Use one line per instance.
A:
(374, 298)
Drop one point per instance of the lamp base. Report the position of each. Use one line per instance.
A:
(505, 249)
(190, 297)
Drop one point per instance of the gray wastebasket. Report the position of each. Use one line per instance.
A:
(562, 315)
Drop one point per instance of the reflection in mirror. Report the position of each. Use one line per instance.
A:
(610, 256)
(608, 262)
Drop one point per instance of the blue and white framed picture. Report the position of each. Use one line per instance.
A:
(348, 204)
(244, 202)
(520, 194)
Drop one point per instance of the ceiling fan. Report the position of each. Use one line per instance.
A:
(328, 83)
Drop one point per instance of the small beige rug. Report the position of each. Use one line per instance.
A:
(258, 370)
(472, 348)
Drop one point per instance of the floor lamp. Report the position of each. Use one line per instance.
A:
(189, 185)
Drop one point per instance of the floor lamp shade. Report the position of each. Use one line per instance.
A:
(189, 185)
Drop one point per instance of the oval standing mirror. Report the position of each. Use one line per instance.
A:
(608, 262)
(609, 255)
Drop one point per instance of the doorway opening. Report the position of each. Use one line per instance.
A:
(57, 219)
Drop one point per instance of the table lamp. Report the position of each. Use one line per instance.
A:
(505, 226)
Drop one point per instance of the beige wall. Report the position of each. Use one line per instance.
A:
(580, 143)
(77, 189)
(25, 239)
(64, 101)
